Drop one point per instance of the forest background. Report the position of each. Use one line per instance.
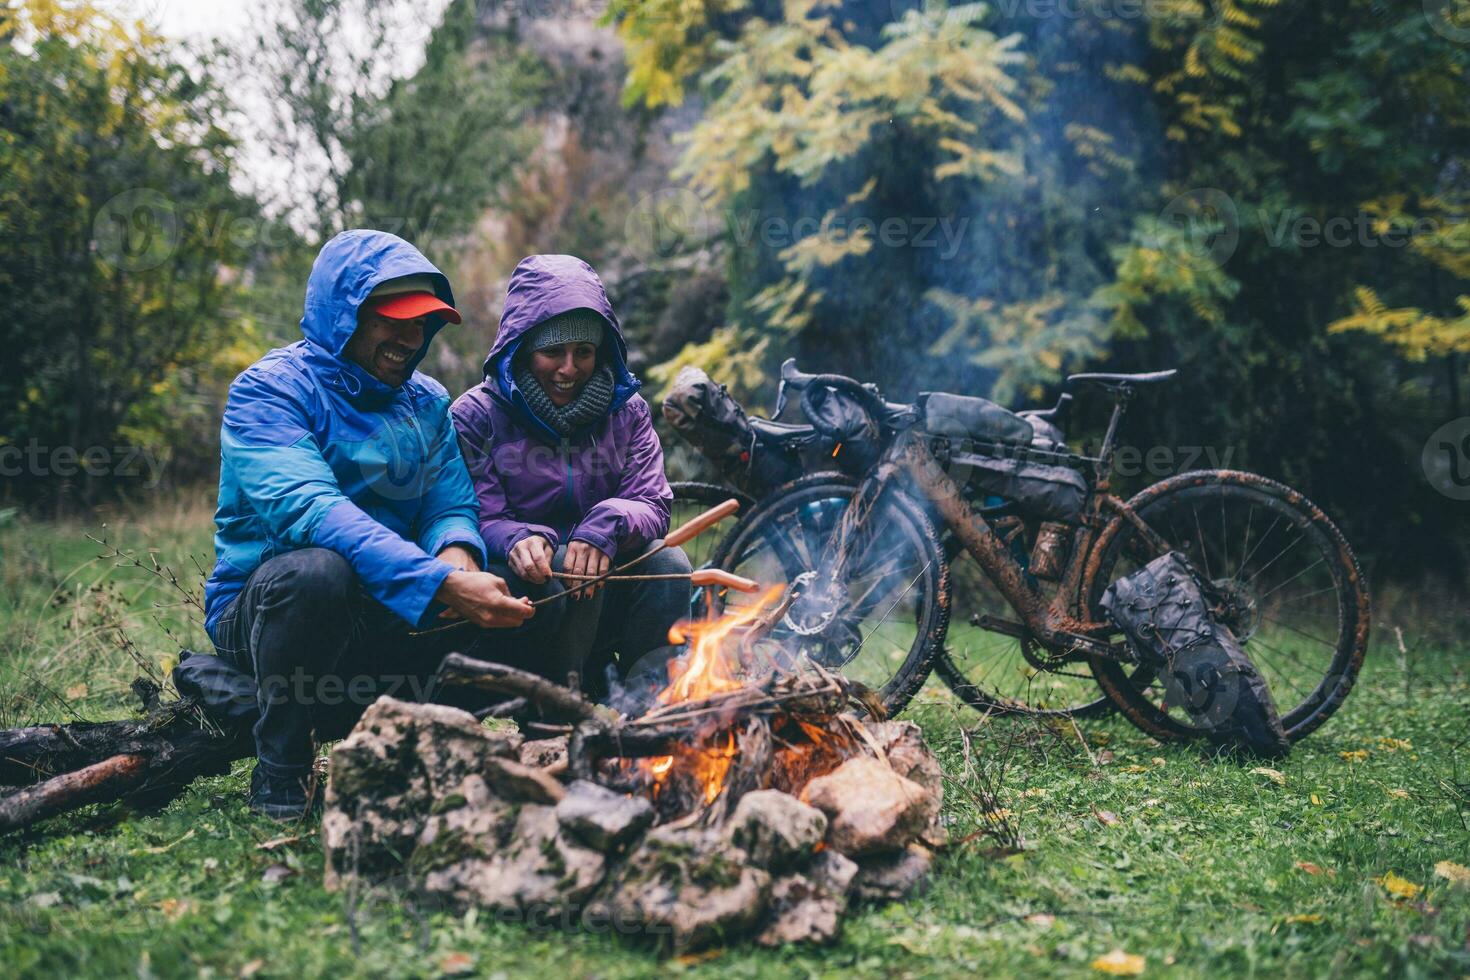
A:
(1270, 195)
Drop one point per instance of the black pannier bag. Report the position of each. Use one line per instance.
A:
(703, 412)
(1043, 490)
(1052, 493)
(1161, 609)
(847, 425)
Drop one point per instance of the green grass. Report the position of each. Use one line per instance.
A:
(1189, 861)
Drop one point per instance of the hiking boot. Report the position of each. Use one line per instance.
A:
(284, 798)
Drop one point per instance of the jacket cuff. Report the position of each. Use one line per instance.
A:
(458, 532)
(533, 531)
(601, 542)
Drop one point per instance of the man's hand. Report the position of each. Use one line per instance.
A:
(585, 559)
(462, 558)
(483, 599)
(530, 558)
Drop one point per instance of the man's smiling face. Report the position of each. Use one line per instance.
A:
(383, 346)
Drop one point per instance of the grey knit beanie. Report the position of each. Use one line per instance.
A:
(581, 326)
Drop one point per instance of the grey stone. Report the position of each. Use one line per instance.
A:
(910, 756)
(870, 807)
(775, 829)
(689, 888)
(534, 869)
(601, 818)
(833, 872)
(800, 911)
(889, 877)
(543, 752)
(387, 776)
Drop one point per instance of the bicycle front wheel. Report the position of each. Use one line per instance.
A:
(890, 617)
(1293, 594)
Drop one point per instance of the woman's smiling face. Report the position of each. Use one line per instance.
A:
(563, 370)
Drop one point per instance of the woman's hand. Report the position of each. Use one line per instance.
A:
(462, 558)
(530, 558)
(585, 559)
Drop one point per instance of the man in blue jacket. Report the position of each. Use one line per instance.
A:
(347, 520)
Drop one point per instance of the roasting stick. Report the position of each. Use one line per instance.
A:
(699, 579)
(687, 531)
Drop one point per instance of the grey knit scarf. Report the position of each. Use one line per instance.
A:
(591, 403)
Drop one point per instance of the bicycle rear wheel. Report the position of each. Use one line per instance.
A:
(890, 618)
(1294, 596)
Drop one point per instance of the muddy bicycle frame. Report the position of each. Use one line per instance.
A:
(1060, 623)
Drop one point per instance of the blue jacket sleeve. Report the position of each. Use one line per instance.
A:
(267, 439)
(449, 514)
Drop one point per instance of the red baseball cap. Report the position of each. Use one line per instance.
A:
(409, 298)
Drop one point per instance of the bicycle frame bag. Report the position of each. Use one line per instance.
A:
(968, 417)
(1052, 493)
(1162, 610)
(704, 413)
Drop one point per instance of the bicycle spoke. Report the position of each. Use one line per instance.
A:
(1262, 597)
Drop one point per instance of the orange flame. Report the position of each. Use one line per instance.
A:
(707, 669)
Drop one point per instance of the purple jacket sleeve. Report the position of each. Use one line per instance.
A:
(499, 527)
(639, 514)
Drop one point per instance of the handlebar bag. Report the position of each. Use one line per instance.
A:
(842, 418)
(1162, 610)
(704, 413)
(966, 416)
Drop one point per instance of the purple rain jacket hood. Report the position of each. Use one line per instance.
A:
(315, 452)
(605, 485)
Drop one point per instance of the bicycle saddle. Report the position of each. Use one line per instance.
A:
(1150, 377)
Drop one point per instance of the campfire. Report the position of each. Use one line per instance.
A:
(745, 801)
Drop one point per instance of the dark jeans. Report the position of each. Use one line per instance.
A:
(321, 650)
(619, 625)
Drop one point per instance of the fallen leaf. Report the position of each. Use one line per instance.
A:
(1399, 887)
(1106, 817)
(1043, 919)
(174, 908)
(997, 816)
(1134, 769)
(1456, 874)
(1395, 744)
(1316, 800)
(44, 900)
(694, 959)
(1158, 760)
(1401, 794)
(1120, 964)
(276, 873)
(454, 964)
(1315, 869)
(76, 692)
(1275, 775)
(252, 968)
(1307, 918)
(1104, 757)
(1035, 791)
(1356, 755)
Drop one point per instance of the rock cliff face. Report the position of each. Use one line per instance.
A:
(594, 187)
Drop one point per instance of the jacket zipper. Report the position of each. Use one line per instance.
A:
(566, 457)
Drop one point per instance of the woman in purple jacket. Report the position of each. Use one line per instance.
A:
(570, 474)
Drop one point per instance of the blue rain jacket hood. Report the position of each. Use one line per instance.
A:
(317, 452)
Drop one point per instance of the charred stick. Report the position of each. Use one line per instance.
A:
(462, 671)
